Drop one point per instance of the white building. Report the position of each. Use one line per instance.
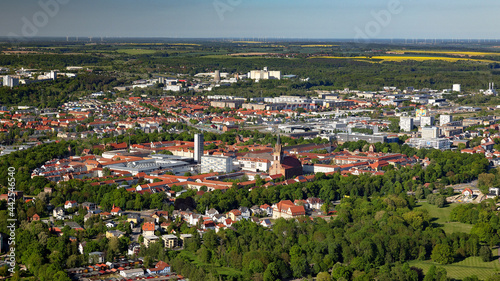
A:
(445, 119)
(221, 164)
(426, 121)
(491, 90)
(264, 74)
(430, 132)
(198, 147)
(406, 124)
(9, 81)
(136, 272)
(430, 143)
(456, 88)
(173, 88)
(254, 164)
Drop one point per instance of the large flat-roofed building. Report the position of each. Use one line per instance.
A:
(406, 124)
(383, 138)
(436, 143)
(220, 164)
(9, 81)
(426, 121)
(430, 132)
(227, 103)
(136, 272)
(264, 74)
(445, 119)
(150, 165)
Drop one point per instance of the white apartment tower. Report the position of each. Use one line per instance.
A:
(426, 121)
(406, 124)
(198, 147)
(430, 133)
(445, 119)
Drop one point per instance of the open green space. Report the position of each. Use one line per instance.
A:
(442, 217)
(467, 267)
(136, 51)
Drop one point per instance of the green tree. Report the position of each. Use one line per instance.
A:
(485, 253)
(442, 253)
(323, 276)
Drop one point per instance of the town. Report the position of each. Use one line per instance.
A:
(217, 172)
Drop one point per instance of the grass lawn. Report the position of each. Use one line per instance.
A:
(442, 217)
(220, 269)
(468, 267)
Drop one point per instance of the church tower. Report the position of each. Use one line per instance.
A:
(278, 151)
(276, 167)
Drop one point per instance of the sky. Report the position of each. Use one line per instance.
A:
(259, 19)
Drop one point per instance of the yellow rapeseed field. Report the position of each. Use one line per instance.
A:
(402, 58)
(320, 46)
(453, 53)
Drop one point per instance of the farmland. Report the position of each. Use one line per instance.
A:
(403, 58)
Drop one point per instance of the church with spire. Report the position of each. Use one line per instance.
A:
(287, 166)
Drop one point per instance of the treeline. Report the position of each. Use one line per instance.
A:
(52, 94)
(50, 61)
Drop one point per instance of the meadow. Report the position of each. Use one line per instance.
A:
(441, 217)
(465, 268)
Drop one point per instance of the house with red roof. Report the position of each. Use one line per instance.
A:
(148, 229)
(286, 209)
(116, 211)
(70, 204)
(161, 268)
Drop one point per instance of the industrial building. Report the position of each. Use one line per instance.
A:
(264, 74)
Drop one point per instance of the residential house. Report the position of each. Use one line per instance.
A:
(160, 214)
(170, 241)
(266, 223)
(116, 211)
(256, 211)
(110, 224)
(286, 209)
(114, 233)
(245, 212)
(150, 239)
(58, 213)
(315, 203)
(211, 213)
(185, 238)
(161, 268)
(148, 229)
(70, 204)
(234, 214)
(133, 249)
(89, 206)
(268, 209)
(134, 218)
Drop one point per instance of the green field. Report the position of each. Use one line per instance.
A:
(442, 218)
(468, 267)
(136, 51)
